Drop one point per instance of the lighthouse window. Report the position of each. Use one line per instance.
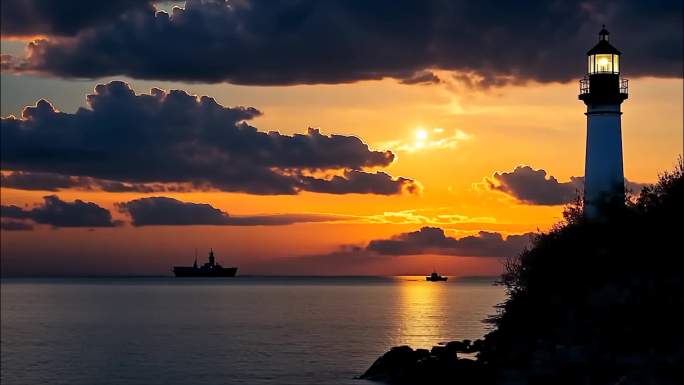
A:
(603, 63)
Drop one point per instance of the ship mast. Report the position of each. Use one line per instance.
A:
(211, 257)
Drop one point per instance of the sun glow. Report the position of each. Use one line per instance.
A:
(430, 138)
(421, 134)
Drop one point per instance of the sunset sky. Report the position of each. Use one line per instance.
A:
(336, 138)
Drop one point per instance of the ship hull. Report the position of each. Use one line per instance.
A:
(180, 271)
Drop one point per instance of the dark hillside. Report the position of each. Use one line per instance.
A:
(591, 302)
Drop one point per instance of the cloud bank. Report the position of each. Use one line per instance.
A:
(152, 211)
(535, 187)
(433, 240)
(39, 181)
(358, 259)
(426, 240)
(164, 211)
(58, 213)
(261, 42)
(129, 142)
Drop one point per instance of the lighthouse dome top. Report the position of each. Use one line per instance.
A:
(603, 46)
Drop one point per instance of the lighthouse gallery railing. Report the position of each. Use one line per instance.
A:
(584, 85)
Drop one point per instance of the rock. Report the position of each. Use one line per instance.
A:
(394, 365)
(476, 346)
(438, 350)
(458, 346)
(440, 365)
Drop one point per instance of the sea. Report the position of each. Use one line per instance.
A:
(244, 330)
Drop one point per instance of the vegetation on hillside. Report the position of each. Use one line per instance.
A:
(598, 302)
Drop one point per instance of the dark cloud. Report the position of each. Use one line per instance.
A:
(41, 17)
(116, 186)
(169, 211)
(164, 211)
(432, 240)
(422, 77)
(58, 213)
(40, 181)
(359, 182)
(303, 42)
(177, 138)
(534, 187)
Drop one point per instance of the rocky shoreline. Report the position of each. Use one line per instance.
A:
(441, 364)
(444, 364)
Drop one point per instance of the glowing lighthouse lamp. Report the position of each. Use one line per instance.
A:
(603, 91)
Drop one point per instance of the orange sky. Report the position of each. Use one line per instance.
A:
(483, 131)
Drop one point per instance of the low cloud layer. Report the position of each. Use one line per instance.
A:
(427, 240)
(360, 259)
(152, 211)
(129, 142)
(164, 211)
(359, 182)
(57, 213)
(536, 187)
(304, 42)
(39, 181)
(433, 240)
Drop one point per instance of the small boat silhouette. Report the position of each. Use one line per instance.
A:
(435, 277)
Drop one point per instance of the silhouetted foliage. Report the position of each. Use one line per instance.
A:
(598, 301)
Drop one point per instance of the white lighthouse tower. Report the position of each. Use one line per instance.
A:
(603, 91)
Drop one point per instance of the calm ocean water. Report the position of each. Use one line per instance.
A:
(246, 330)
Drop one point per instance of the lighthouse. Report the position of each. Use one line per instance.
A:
(603, 91)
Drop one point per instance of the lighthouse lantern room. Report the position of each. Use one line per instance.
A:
(603, 58)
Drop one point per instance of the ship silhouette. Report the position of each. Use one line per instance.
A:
(435, 277)
(209, 269)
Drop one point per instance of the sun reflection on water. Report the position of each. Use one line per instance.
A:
(423, 311)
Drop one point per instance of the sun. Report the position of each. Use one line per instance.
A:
(421, 134)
